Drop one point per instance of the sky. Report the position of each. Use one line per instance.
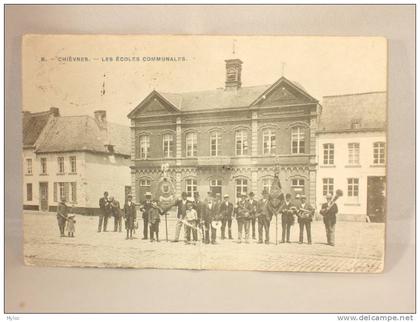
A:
(322, 65)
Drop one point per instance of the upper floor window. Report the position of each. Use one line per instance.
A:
(191, 144)
(168, 146)
(28, 166)
(379, 153)
(241, 142)
(269, 142)
(298, 140)
(44, 165)
(327, 186)
(73, 166)
(354, 151)
(190, 187)
(215, 143)
(144, 146)
(328, 153)
(60, 162)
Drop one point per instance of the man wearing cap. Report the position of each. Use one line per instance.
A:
(287, 218)
(210, 213)
(253, 205)
(305, 215)
(104, 212)
(181, 204)
(129, 216)
(243, 217)
(226, 212)
(264, 218)
(144, 208)
(329, 210)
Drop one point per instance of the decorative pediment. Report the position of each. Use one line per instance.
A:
(153, 104)
(284, 92)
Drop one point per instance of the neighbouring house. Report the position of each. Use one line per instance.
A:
(229, 140)
(351, 150)
(76, 157)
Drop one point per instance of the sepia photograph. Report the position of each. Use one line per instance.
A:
(249, 153)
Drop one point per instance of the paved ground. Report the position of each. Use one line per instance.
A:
(359, 248)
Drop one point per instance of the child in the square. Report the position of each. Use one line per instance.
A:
(154, 213)
(71, 225)
(191, 222)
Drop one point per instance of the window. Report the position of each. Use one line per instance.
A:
(28, 166)
(327, 186)
(379, 153)
(298, 185)
(298, 140)
(29, 191)
(73, 164)
(144, 146)
(61, 190)
(216, 186)
(73, 191)
(355, 124)
(241, 187)
(328, 153)
(190, 186)
(269, 142)
(168, 146)
(191, 144)
(215, 143)
(60, 161)
(241, 139)
(144, 183)
(354, 149)
(266, 184)
(44, 165)
(352, 187)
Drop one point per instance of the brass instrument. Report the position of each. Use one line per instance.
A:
(338, 194)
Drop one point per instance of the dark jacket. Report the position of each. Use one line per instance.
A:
(226, 211)
(104, 205)
(130, 215)
(182, 207)
(253, 206)
(115, 208)
(330, 215)
(243, 211)
(62, 210)
(145, 206)
(153, 215)
(306, 216)
(210, 214)
(263, 210)
(287, 213)
(198, 206)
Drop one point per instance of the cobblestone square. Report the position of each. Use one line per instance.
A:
(359, 248)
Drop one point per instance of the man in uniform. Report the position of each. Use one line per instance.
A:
(264, 218)
(145, 206)
(210, 213)
(305, 215)
(104, 212)
(253, 205)
(287, 218)
(329, 210)
(62, 213)
(129, 216)
(181, 204)
(226, 212)
(243, 217)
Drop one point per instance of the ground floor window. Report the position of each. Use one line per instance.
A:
(298, 186)
(327, 186)
(190, 186)
(353, 187)
(241, 187)
(29, 191)
(65, 190)
(216, 186)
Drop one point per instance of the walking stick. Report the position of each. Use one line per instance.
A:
(166, 226)
(277, 228)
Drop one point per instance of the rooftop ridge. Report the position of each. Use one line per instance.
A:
(356, 94)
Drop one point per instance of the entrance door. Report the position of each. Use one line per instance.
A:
(43, 195)
(376, 200)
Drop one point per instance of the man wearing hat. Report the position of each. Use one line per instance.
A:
(198, 206)
(144, 208)
(253, 204)
(210, 213)
(243, 217)
(287, 218)
(62, 213)
(104, 212)
(329, 210)
(305, 215)
(264, 218)
(226, 212)
(191, 222)
(129, 216)
(181, 204)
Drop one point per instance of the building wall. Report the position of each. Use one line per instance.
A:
(351, 208)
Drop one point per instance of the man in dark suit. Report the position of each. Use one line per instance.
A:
(329, 211)
(209, 214)
(305, 215)
(243, 217)
(62, 213)
(226, 212)
(104, 212)
(253, 213)
(264, 218)
(287, 218)
(145, 206)
(129, 216)
(198, 206)
(181, 204)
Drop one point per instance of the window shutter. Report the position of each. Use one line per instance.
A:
(55, 191)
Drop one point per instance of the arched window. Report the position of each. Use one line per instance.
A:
(215, 143)
(269, 142)
(144, 146)
(168, 145)
(298, 140)
(241, 142)
(191, 144)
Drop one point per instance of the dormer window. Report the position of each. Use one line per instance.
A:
(355, 124)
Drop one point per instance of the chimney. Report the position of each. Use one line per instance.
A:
(233, 74)
(100, 117)
(55, 111)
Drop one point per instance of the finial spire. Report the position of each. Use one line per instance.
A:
(234, 46)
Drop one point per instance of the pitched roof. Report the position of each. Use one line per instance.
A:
(83, 133)
(339, 111)
(33, 124)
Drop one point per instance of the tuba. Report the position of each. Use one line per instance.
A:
(338, 194)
